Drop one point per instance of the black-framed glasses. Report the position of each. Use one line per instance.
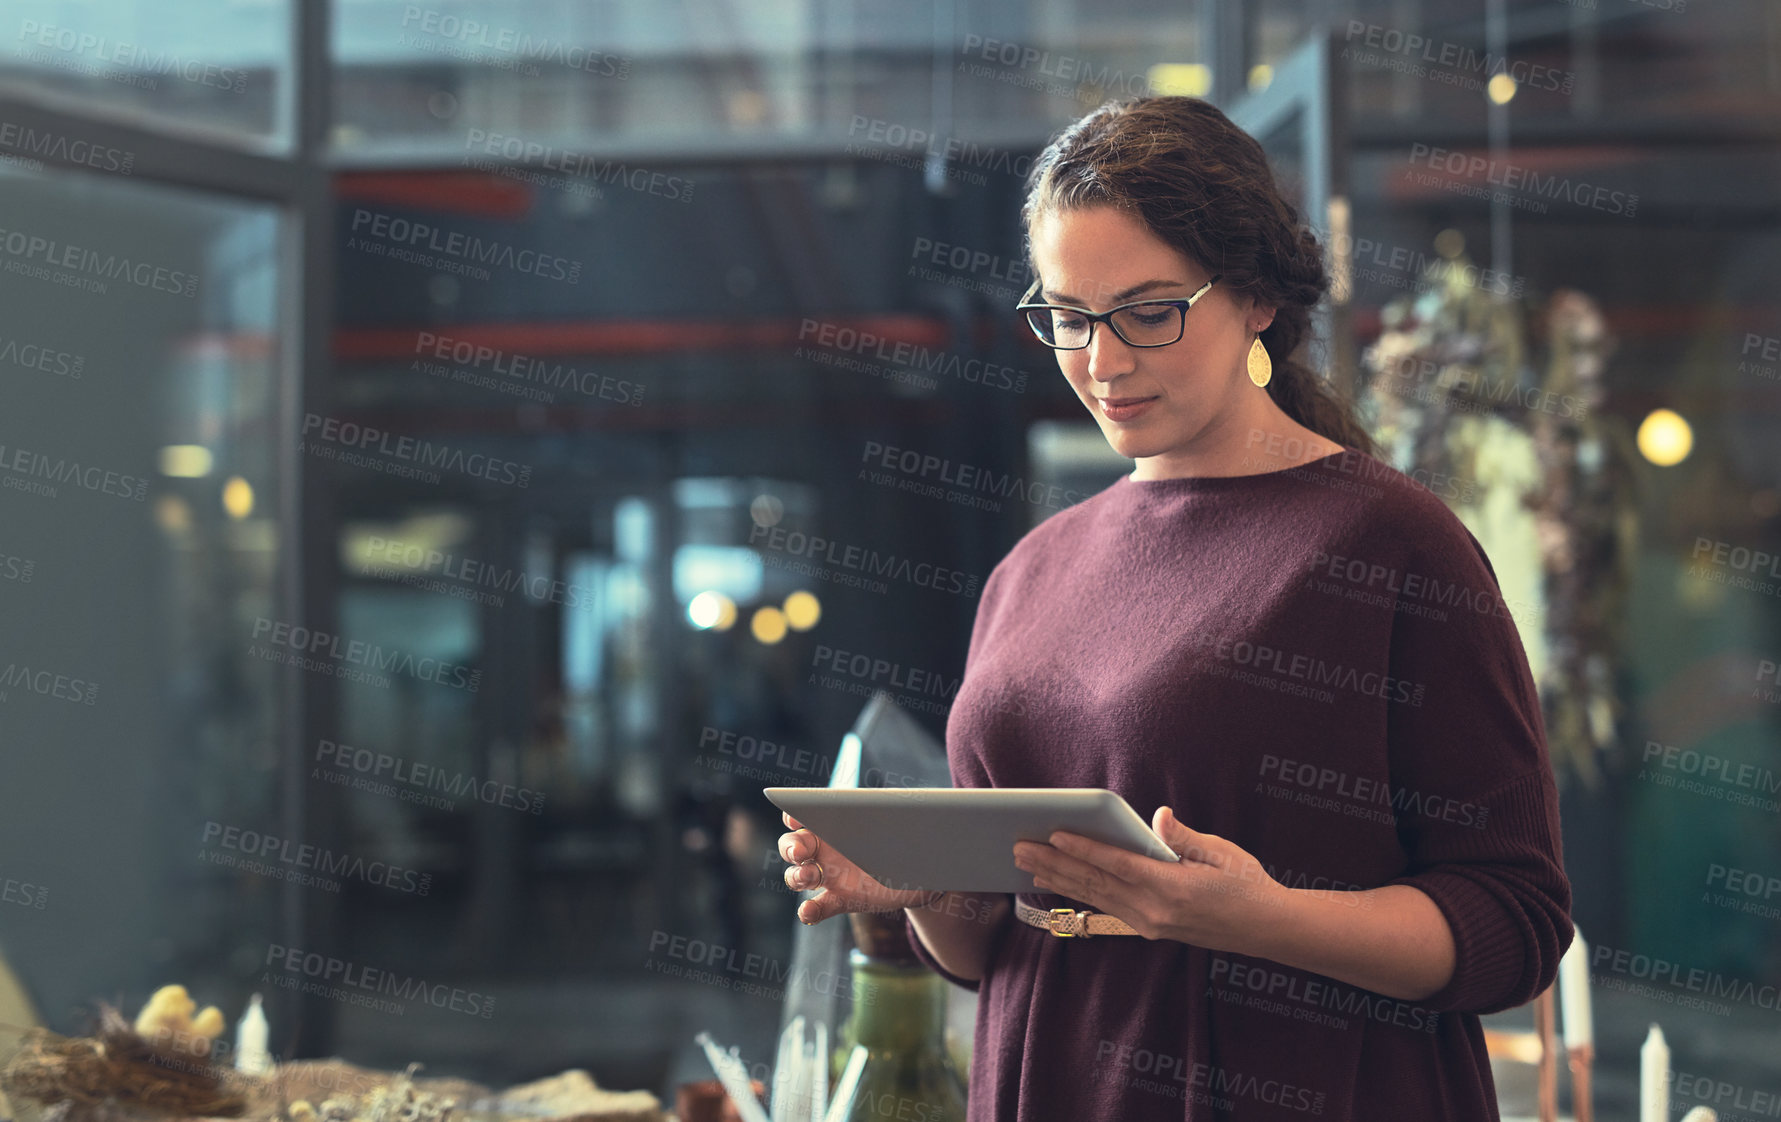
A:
(1142, 323)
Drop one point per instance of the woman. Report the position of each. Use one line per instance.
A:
(1294, 655)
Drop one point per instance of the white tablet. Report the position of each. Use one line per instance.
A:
(960, 838)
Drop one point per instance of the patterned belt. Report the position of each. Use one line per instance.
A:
(1068, 923)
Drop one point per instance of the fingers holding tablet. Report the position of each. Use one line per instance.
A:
(840, 885)
(802, 851)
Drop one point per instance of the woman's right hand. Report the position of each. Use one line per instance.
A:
(814, 864)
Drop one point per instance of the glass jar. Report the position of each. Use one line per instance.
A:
(899, 1017)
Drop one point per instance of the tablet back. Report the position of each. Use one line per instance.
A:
(960, 839)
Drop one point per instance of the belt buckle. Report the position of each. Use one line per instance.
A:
(1062, 915)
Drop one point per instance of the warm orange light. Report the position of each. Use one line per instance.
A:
(768, 625)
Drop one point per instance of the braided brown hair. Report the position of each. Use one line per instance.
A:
(1204, 186)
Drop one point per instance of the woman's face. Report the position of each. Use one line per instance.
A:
(1174, 402)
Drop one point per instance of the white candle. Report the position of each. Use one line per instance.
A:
(251, 1036)
(1573, 995)
(1654, 1077)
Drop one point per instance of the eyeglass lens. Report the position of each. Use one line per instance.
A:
(1140, 325)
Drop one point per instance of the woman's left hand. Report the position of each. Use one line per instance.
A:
(1217, 897)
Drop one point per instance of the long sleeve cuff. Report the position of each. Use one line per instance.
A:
(1509, 913)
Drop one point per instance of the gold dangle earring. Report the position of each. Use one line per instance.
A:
(1261, 367)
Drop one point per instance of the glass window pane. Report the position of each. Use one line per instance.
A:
(467, 74)
(210, 64)
(138, 552)
(1277, 28)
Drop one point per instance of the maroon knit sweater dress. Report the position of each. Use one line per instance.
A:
(1316, 664)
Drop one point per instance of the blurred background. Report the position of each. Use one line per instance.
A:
(456, 453)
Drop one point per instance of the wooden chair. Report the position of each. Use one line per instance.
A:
(1541, 1048)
